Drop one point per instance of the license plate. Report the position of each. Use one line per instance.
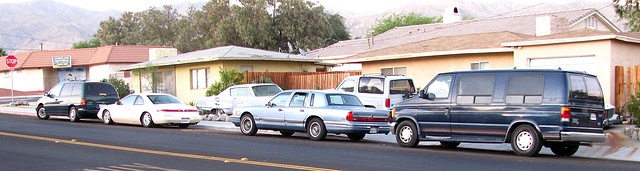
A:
(184, 120)
(593, 117)
(374, 130)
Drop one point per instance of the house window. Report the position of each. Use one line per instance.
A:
(394, 71)
(592, 22)
(479, 65)
(199, 78)
(246, 68)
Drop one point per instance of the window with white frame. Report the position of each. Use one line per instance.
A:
(592, 22)
(199, 78)
(479, 65)
(394, 71)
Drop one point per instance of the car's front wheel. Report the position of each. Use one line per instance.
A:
(564, 150)
(147, 120)
(407, 134)
(248, 125)
(317, 130)
(106, 117)
(42, 114)
(526, 141)
(356, 136)
(73, 114)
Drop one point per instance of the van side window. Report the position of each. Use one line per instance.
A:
(66, 90)
(475, 89)
(55, 91)
(594, 91)
(77, 89)
(525, 89)
(371, 85)
(578, 87)
(440, 87)
(347, 86)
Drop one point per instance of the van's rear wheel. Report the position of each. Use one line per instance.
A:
(73, 114)
(526, 141)
(564, 150)
(407, 134)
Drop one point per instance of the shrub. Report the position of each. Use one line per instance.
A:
(228, 78)
(121, 87)
(634, 106)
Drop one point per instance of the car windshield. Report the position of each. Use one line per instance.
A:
(163, 99)
(266, 90)
(343, 100)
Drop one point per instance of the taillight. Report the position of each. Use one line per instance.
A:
(387, 103)
(83, 102)
(565, 114)
(350, 116)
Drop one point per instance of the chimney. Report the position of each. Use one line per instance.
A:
(157, 53)
(543, 25)
(451, 15)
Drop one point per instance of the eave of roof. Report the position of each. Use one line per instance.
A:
(426, 54)
(605, 36)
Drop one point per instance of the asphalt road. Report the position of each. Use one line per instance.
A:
(27, 143)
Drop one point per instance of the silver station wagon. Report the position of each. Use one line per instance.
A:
(315, 112)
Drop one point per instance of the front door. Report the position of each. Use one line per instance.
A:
(433, 114)
(273, 116)
(295, 114)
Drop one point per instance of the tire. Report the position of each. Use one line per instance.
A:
(526, 141)
(446, 144)
(147, 120)
(248, 125)
(316, 129)
(286, 133)
(106, 117)
(564, 150)
(407, 134)
(73, 114)
(356, 136)
(41, 113)
(183, 126)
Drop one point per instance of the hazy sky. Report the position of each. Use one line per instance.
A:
(357, 6)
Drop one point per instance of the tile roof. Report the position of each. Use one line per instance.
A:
(84, 56)
(447, 43)
(224, 53)
(523, 24)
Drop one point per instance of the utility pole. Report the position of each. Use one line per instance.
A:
(41, 47)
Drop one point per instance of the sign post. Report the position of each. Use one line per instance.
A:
(11, 61)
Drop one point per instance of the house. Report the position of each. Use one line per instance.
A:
(189, 75)
(41, 70)
(583, 36)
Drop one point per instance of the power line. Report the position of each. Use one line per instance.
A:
(34, 38)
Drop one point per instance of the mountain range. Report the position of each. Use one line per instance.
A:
(51, 25)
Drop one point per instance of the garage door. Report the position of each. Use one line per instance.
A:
(587, 64)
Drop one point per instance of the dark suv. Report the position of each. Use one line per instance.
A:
(528, 108)
(76, 100)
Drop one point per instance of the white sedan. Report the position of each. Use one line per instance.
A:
(149, 110)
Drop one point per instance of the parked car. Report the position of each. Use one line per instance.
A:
(528, 108)
(149, 110)
(237, 96)
(378, 91)
(313, 111)
(611, 117)
(76, 99)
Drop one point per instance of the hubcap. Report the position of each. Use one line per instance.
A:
(106, 117)
(72, 114)
(315, 129)
(147, 119)
(246, 124)
(524, 140)
(42, 113)
(405, 134)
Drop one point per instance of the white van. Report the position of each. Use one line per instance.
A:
(379, 91)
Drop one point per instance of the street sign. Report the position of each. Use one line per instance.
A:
(12, 61)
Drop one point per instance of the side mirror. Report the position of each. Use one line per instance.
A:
(47, 94)
(431, 96)
(422, 94)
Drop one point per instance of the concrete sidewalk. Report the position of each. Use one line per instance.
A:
(616, 147)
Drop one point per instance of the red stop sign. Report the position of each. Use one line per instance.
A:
(12, 61)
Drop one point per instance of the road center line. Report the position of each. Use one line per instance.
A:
(194, 156)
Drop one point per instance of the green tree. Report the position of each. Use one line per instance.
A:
(121, 87)
(339, 31)
(228, 78)
(87, 44)
(2, 52)
(629, 11)
(633, 106)
(398, 20)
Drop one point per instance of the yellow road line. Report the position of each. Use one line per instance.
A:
(194, 156)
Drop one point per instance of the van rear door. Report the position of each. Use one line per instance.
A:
(587, 103)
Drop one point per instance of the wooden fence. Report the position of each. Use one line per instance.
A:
(302, 80)
(626, 83)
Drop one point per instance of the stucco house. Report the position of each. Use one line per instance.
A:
(189, 75)
(583, 36)
(37, 71)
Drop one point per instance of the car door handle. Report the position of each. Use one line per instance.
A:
(279, 110)
(301, 110)
(446, 111)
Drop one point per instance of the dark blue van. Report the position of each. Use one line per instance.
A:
(76, 99)
(528, 108)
